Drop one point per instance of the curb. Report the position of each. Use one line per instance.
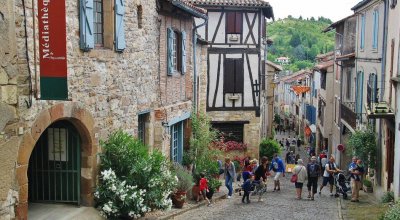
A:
(171, 216)
(339, 204)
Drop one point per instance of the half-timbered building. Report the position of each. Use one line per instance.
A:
(236, 32)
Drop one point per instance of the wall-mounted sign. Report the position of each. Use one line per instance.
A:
(52, 49)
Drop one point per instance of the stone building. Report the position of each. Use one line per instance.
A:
(77, 72)
(235, 33)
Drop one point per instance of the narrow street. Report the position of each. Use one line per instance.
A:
(275, 205)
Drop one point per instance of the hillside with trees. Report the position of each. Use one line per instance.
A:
(300, 40)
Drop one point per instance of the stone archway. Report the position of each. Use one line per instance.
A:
(84, 123)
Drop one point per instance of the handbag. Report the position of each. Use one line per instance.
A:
(294, 176)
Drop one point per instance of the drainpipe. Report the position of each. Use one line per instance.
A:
(383, 65)
(195, 64)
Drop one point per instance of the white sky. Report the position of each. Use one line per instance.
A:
(332, 9)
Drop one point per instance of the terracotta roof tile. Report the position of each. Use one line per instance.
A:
(238, 3)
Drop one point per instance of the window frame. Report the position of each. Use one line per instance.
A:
(97, 24)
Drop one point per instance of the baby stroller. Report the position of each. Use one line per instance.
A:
(342, 185)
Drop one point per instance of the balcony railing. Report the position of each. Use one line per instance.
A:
(348, 113)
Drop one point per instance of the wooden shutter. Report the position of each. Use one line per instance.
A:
(229, 73)
(230, 22)
(239, 76)
(119, 25)
(238, 22)
(170, 58)
(86, 24)
(183, 53)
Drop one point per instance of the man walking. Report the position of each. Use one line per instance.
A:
(356, 173)
(298, 143)
(330, 170)
(279, 169)
(313, 171)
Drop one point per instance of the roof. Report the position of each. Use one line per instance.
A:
(190, 8)
(237, 3)
(333, 25)
(300, 89)
(321, 56)
(283, 58)
(360, 4)
(296, 76)
(324, 65)
(346, 56)
(276, 66)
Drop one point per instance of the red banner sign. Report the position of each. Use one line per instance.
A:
(52, 38)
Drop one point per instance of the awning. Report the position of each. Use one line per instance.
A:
(307, 131)
(379, 110)
(300, 89)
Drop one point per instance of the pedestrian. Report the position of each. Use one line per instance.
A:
(229, 174)
(330, 170)
(296, 158)
(288, 158)
(356, 172)
(323, 160)
(261, 174)
(353, 163)
(247, 187)
(301, 171)
(287, 144)
(298, 143)
(279, 169)
(313, 172)
(246, 162)
(203, 188)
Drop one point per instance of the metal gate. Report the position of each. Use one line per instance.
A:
(54, 165)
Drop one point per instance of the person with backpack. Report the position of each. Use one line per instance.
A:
(279, 169)
(330, 170)
(313, 171)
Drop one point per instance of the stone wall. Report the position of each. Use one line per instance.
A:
(110, 88)
(251, 131)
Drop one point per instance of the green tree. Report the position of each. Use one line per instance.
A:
(269, 147)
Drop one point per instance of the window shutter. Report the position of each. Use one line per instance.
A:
(86, 24)
(230, 22)
(183, 52)
(362, 31)
(229, 73)
(119, 25)
(170, 58)
(376, 27)
(238, 22)
(239, 76)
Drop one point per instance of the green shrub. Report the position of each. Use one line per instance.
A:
(387, 197)
(393, 213)
(132, 181)
(185, 179)
(367, 183)
(213, 184)
(362, 144)
(269, 147)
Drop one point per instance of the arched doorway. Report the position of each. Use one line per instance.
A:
(54, 166)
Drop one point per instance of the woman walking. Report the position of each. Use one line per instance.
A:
(229, 174)
(301, 171)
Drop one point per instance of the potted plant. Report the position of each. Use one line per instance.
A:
(367, 186)
(185, 181)
(213, 186)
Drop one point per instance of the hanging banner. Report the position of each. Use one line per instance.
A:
(52, 50)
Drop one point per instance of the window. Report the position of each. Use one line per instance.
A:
(362, 40)
(231, 131)
(176, 51)
(233, 75)
(98, 22)
(234, 22)
(323, 80)
(142, 121)
(372, 90)
(177, 142)
(376, 29)
(140, 16)
(348, 83)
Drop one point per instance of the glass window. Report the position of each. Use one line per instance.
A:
(98, 31)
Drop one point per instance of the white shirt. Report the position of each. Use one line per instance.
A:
(326, 174)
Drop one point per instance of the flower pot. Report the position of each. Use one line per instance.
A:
(196, 192)
(178, 199)
(368, 189)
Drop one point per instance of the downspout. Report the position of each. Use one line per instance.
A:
(194, 34)
(383, 65)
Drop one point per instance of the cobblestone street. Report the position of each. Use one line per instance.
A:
(275, 205)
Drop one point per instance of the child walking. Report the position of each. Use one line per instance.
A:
(247, 186)
(203, 188)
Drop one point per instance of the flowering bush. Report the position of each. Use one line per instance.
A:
(132, 181)
(229, 145)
